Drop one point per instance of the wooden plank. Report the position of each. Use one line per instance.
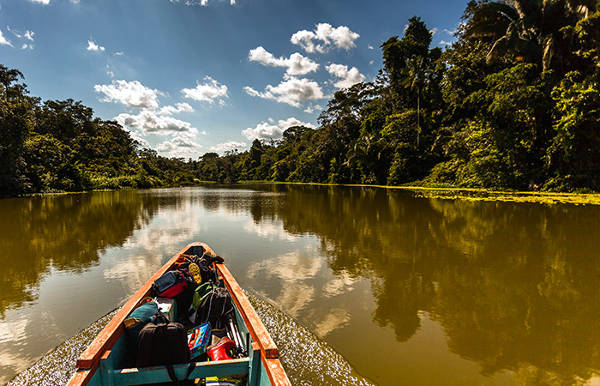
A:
(255, 325)
(81, 377)
(159, 374)
(276, 373)
(254, 357)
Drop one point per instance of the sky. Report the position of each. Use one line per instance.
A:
(187, 77)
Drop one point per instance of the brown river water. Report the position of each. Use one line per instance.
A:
(357, 285)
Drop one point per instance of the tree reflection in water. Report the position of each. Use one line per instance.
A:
(515, 286)
(65, 233)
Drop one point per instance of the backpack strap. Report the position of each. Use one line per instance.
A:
(171, 372)
(191, 368)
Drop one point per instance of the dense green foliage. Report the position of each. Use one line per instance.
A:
(514, 103)
(60, 146)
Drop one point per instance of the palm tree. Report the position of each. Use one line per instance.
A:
(531, 28)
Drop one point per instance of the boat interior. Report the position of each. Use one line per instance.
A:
(107, 361)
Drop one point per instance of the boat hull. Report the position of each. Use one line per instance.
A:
(99, 365)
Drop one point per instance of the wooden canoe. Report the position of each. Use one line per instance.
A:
(99, 365)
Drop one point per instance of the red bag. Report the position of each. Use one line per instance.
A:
(170, 284)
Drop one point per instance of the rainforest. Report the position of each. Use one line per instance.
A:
(513, 104)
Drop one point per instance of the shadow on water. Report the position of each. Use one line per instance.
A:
(307, 359)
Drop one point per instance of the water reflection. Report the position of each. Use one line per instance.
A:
(456, 291)
(66, 233)
(514, 285)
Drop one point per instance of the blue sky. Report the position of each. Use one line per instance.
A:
(188, 77)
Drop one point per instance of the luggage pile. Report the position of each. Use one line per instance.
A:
(190, 318)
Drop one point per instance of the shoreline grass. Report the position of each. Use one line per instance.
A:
(472, 194)
(447, 193)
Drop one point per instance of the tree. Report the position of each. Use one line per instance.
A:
(532, 30)
(16, 114)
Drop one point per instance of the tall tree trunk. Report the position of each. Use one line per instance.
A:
(418, 115)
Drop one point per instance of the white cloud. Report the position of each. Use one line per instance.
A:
(29, 35)
(92, 46)
(149, 122)
(4, 41)
(209, 91)
(449, 32)
(228, 146)
(445, 43)
(179, 146)
(296, 64)
(433, 31)
(109, 71)
(371, 61)
(312, 108)
(132, 94)
(348, 78)
(264, 130)
(25, 46)
(324, 37)
(45, 2)
(291, 91)
(119, 53)
(370, 47)
(178, 108)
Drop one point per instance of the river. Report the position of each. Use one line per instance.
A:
(399, 289)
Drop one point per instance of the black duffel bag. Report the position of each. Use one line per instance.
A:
(164, 344)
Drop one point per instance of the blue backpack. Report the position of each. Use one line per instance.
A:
(144, 314)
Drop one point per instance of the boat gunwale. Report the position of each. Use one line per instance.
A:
(89, 360)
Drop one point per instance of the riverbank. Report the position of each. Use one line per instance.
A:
(474, 194)
(448, 193)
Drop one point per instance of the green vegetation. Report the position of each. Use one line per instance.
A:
(60, 146)
(513, 104)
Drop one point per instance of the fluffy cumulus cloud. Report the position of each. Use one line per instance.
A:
(149, 122)
(4, 41)
(228, 146)
(296, 64)
(292, 91)
(132, 94)
(178, 108)
(92, 46)
(45, 2)
(209, 91)
(179, 146)
(325, 37)
(266, 130)
(348, 77)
